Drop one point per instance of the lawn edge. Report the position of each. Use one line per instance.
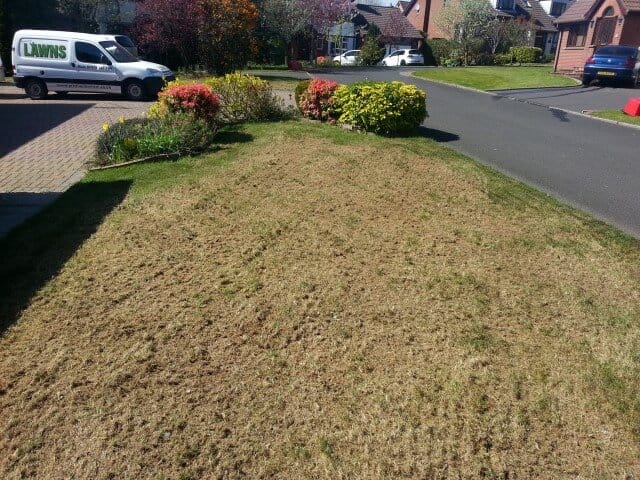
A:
(591, 114)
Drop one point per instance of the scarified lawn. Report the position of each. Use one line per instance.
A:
(498, 78)
(319, 304)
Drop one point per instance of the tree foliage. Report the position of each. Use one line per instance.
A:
(371, 52)
(214, 33)
(287, 19)
(476, 29)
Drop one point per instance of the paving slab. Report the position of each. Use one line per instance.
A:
(45, 146)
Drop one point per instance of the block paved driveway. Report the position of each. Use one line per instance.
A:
(45, 146)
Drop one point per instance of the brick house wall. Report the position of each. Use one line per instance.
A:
(572, 59)
(423, 18)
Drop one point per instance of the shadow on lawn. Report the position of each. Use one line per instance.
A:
(231, 136)
(34, 253)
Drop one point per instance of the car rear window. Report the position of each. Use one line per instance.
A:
(414, 52)
(618, 51)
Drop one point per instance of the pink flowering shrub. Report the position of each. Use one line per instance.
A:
(195, 99)
(316, 100)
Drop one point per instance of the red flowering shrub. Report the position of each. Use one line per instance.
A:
(314, 102)
(195, 99)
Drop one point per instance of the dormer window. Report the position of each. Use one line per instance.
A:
(558, 9)
(506, 5)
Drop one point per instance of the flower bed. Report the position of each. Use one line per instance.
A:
(385, 108)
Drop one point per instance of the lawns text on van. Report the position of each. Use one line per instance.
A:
(45, 51)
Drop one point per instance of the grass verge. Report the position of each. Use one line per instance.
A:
(498, 78)
(313, 303)
(618, 116)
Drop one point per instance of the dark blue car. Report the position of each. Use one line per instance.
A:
(612, 62)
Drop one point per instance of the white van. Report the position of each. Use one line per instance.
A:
(64, 62)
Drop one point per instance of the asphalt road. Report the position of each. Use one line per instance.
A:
(577, 99)
(589, 164)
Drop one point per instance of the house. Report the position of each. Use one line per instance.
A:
(396, 31)
(541, 14)
(588, 24)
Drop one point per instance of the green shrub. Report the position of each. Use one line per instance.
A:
(127, 140)
(503, 58)
(455, 59)
(385, 108)
(301, 87)
(441, 48)
(547, 58)
(245, 98)
(371, 52)
(483, 59)
(526, 54)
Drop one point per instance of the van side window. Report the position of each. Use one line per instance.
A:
(87, 53)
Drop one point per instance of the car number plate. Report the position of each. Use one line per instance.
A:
(607, 74)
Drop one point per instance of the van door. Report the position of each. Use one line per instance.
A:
(95, 71)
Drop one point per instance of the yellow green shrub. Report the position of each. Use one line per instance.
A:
(385, 108)
(245, 98)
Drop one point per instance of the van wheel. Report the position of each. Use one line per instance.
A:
(403, 63)
(36, 89)
(134, 90)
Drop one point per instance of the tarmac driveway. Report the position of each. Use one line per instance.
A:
(45, 146)
(575, 99)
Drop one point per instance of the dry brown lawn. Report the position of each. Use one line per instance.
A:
(311, 303)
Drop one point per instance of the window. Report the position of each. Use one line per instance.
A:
(605, 28)
(118, 53)
(505, 4)
(577, 35)
(87, 53)
(558, 9)
(124, 41)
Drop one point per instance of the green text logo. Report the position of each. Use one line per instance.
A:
(45, 51)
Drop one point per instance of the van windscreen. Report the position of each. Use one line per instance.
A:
(124, 41)
(118, 53)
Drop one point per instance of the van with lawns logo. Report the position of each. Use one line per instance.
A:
(49, 61)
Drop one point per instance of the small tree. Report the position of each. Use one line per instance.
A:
(170, 27)
(371, 51)
(468, 22)
(215, 33)
(90, 15)
(225, 34)
(502, 35)
(286, 19)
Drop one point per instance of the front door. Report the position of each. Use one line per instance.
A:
(94, 70)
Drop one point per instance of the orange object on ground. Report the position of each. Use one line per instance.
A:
(633, 107)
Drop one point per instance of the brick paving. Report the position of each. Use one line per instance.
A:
(45, 146)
